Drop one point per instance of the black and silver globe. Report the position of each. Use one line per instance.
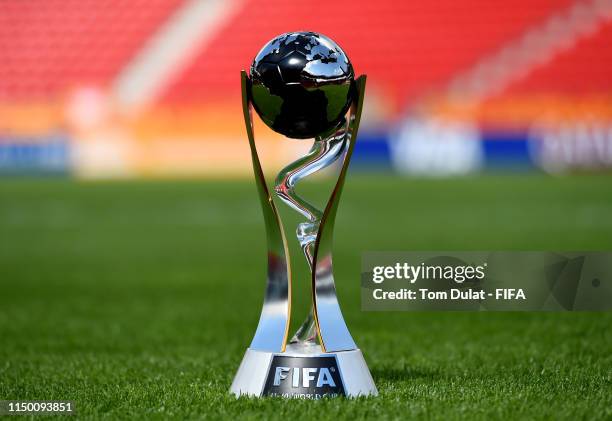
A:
(301, 84)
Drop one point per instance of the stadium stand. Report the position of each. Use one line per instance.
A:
(459, 71)
(584, 69)
(406, 48)
(49, 46)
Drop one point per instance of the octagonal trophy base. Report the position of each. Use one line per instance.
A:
(305, 372)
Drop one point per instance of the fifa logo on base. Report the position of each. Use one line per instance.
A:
(304, 377)
(308, 374)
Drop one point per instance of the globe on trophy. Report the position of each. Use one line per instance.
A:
(302, 85)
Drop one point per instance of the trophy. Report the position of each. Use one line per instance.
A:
(302, 85)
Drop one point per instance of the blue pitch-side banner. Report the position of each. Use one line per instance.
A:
(432, 147)
(421, 148)
(506, 149)
(48, 154)
(372, 150)
(434, 153)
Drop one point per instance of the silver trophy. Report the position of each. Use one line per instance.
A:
(302, 85)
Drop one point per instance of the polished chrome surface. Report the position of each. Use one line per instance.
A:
(273, 327)
(301, 84)
(324, 333)
(334, 334)
(252, 373)
(326, 320)
(324, 152)
(355, 374)
(325, 323)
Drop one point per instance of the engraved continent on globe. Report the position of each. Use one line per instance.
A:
(301, 84)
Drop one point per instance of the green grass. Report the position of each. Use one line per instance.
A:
(138, 299)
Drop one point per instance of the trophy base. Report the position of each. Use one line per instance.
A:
(301, 373)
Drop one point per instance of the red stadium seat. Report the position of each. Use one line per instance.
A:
(47, 46)
(584, 69)
(406, 48)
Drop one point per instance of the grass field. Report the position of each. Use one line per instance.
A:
(138, 299)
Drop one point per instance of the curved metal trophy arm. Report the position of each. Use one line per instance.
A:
(273, 327)
(331, 327)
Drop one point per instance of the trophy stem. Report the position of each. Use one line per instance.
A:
(324, 152)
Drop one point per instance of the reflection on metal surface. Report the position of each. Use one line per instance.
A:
(325, 322)
(301, 84)
(303, 87)
(273, 327)
(324, 152)
(334, 334)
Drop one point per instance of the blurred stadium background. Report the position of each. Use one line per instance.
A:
(95, 88)
(137, 298)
